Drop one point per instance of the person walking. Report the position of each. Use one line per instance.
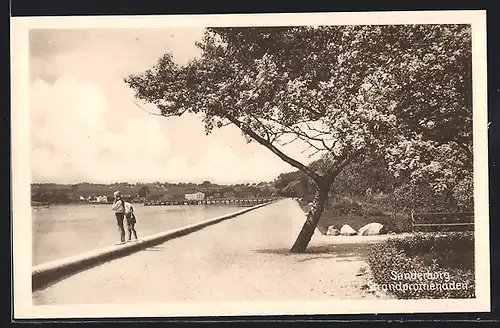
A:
(119, 208)
(131, 221)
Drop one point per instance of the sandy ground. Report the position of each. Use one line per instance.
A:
(242, 259)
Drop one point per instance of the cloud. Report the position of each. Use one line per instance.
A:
(71, 142)
(85, 126)
(97, 53)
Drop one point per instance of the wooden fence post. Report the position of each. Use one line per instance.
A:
(412, 222)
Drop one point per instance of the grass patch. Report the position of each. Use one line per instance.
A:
(445, 261)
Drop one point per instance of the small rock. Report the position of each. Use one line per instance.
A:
(332, 231)
(347, 230)
(371, 229)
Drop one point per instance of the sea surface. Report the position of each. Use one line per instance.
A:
(66, 230)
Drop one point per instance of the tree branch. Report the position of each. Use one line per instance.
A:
(304, 150)
(289, 142)
(301, 134)
(315, 129)
(151, 113)
(267, 130)
(313, 175)
(345, 159)
(312, 145)
(311, 155)
(315, 138)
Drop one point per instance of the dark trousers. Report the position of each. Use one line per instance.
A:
(131, 226)
(119, 221)
(131, 230)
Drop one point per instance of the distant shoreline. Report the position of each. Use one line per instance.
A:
(228, 201)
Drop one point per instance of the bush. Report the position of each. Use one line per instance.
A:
(448, 257)
(347, 207)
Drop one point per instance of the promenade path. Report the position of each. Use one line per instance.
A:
(242, 259)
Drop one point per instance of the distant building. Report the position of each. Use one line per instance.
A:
(196, 196)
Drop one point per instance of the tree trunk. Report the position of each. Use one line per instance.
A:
(304, 237)
(394, 201)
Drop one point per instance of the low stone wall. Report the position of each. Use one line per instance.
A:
(51, 272)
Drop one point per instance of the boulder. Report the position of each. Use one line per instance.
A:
(347, 230)
(332, 231)
(371, 229)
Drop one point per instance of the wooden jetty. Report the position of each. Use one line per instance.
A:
(213, 201)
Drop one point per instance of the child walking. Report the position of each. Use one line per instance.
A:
(131, 221)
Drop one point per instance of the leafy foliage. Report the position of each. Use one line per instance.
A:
(143, 191)
(332, 87)
(436, 188)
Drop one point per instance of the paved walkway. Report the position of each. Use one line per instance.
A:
(243, 259)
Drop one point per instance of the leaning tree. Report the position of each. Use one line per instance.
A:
(403, 91)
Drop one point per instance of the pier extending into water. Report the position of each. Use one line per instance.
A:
(213, 201)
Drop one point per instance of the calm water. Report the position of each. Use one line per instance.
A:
(66, 230)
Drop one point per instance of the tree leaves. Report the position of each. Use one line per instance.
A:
(401, 90)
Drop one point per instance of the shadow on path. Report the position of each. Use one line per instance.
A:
(344, 252)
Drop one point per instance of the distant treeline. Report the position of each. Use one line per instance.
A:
(51, 193)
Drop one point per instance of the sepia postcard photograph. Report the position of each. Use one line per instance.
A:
(254, 164)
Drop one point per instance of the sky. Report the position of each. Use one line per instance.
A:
(85, 126)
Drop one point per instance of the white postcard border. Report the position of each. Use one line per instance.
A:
(23, 307)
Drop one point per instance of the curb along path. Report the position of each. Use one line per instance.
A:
(245, 259)
(47, 273)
